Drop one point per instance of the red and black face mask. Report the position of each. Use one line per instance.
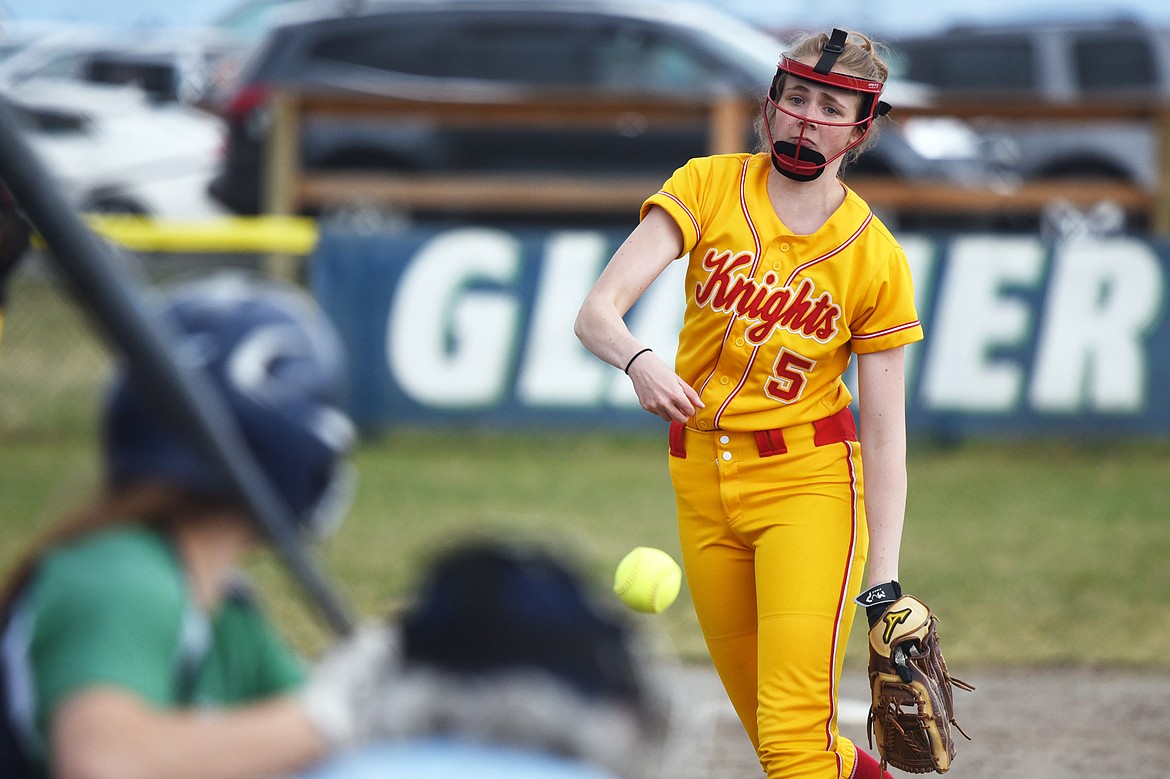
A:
(796, 160)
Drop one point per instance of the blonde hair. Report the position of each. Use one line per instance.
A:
(862, 57)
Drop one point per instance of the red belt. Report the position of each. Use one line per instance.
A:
(830, 430)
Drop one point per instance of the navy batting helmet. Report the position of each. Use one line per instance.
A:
(278, 364)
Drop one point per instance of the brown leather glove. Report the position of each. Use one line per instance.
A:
(912, 709)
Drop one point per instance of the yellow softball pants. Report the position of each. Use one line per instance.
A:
(774, 549)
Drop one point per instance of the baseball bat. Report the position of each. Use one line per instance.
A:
(118, 303)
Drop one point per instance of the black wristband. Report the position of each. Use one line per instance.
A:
(636, 356)
(877, 598)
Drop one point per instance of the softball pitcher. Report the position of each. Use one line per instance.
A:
(789, 275)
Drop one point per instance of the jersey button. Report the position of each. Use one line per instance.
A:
(785, 246)
(739, 342)
(777, 265)
(724, 380)
(703, 425)
(727, 455)
(724, 439)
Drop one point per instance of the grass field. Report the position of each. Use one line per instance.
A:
(1033, 554)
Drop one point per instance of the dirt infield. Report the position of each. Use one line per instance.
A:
(1025, 724)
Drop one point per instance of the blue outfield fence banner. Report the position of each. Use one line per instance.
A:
(473, 325)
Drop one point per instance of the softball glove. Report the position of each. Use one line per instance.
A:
(912, 709)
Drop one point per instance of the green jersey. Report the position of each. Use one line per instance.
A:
(113, 608)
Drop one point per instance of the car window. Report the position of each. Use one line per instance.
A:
(1002, 64)
(1114, 62)
(541, 53)
(637, 59)
(158, 79)
(8, 49)
(447, 47)
(403, 48)
(65, 65)
(525, 49)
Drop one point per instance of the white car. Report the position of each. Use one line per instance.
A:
(114, 150)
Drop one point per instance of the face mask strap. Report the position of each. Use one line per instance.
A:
(833, 49)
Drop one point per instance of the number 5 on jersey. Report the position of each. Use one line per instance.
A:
(789, 375)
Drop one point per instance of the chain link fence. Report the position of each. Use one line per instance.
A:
(54, 361)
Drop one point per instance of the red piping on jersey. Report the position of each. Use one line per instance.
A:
(827, 255)
(731, 320)
(842, 603)
(755, 265)
(747, 214)
(887, 331)
(687, 211)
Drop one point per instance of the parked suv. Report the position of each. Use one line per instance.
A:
(489, 49)
(1056, 63)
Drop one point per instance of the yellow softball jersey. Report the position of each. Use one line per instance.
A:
(772, 318)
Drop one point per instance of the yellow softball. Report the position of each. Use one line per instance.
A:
(647, 580)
